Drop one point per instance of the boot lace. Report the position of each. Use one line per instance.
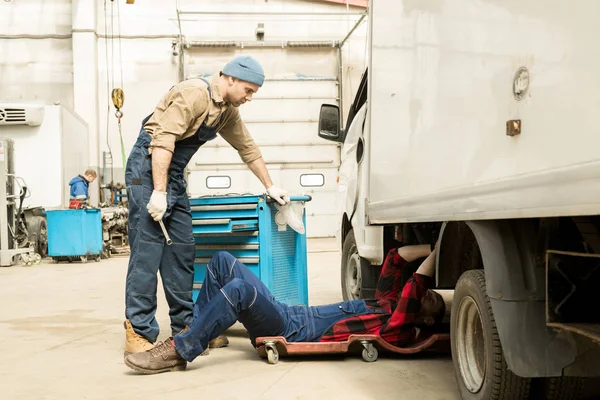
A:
(160, 349)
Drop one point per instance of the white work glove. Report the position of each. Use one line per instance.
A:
(157, 206)
(291, 218)
(279, 195)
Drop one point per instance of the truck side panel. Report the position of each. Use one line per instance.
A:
(447, 76)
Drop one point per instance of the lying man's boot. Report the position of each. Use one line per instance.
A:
(219, 341)
(134, 343)
(161, 358)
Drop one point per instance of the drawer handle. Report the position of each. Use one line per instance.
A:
(222, 221)
(232, 207)
(218, 247)
(245, 260)
(243, 234)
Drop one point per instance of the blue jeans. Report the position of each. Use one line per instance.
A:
(231, 292)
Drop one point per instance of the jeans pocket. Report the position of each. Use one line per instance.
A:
(296, 324)
(137, 163)
(135, 198)
(345, 307)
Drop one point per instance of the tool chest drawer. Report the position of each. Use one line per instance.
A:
(246, 227)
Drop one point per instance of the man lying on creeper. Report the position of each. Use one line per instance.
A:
(400, 314)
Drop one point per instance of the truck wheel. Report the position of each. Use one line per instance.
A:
(359, 277)
(481, 371)
(38, 235)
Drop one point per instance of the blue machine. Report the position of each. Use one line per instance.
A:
(246, 227)
(74, 234)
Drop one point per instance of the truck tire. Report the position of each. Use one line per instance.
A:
(359, 277)
(481, 371)
(565, 388)
(38, 234)
(560, 388)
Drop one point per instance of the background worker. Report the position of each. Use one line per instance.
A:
(187, 116)
(79, 193)
(400, 314)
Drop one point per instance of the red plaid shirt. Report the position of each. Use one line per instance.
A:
(391, 318)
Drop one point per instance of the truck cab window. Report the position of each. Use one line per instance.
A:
(359, 100)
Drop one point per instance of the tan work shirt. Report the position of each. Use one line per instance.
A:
(186, 106)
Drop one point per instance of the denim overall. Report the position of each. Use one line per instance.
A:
(149, 252)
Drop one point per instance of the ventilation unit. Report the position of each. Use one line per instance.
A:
(21, 114)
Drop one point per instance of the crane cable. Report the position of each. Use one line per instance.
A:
(117, 93)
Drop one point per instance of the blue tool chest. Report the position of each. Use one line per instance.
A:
(74, 234)
(246, 227)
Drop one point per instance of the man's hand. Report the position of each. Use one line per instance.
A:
(259, 168)
(157, 206)
(279, 195)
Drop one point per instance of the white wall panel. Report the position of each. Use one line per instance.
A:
(31, 67)
(279, 63)
(281, 110)
(35, 17)
(227, 155)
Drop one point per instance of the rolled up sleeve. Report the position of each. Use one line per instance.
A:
(237, 135)
(182, 110)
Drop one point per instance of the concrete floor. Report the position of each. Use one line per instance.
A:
(61, 331)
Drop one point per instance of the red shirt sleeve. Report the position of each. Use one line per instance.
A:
(389, 283)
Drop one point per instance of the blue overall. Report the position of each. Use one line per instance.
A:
(149, 252)
(231, 292)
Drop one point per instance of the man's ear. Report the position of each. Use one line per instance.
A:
(232, 80)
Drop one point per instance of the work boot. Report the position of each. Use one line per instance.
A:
(161, 358)
(134, 343)
(218, 342)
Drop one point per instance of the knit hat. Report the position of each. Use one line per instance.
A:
(245, 68)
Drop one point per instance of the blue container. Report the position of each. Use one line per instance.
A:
(74, 233)
(245, 226)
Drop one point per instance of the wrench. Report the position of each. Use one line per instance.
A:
(162, 226)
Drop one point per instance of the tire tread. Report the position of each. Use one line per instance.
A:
(505, 384)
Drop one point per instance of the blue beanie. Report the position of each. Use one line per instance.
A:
(245, 68)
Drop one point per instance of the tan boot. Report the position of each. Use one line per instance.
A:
(134, 343)
(219, 341)
(161, 358)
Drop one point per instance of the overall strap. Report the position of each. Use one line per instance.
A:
(208, 87)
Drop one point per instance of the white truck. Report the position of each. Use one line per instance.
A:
(475, 123)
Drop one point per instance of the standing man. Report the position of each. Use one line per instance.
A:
(79, 193)
(189, 115)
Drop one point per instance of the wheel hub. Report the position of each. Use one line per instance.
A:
(470, 344)
(353, 276)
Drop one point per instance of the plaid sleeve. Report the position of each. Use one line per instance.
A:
(390, 279)
(400, 328)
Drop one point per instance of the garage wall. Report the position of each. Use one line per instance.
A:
(35, 51)
(44, 68)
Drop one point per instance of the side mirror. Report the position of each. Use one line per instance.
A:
(329, 123)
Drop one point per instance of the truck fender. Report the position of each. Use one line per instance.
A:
(516, 287)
